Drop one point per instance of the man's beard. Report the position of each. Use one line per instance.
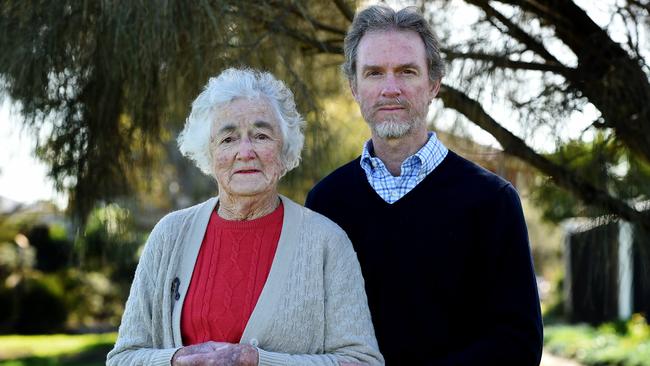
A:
(392, 128)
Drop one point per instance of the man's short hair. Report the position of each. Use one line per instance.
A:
(379, 18)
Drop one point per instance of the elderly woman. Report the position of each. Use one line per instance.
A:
(248, 277)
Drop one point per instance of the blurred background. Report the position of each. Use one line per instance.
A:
(553, 95)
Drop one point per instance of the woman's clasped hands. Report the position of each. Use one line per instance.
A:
(216, 353)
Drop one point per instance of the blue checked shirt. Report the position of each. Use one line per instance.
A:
(413, 170)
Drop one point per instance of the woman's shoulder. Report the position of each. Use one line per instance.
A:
(165, 235)
(178, 217)
(176, 222)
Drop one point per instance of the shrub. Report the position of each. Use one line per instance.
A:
(619, 343)
(52, 253)
(37, 308)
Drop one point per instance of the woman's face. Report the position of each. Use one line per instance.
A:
(246, 148)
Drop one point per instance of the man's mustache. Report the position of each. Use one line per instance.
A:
(392, 102)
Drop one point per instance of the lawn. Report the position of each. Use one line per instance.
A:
(620, 344)
(54, 350)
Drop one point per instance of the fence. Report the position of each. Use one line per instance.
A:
(607, 264)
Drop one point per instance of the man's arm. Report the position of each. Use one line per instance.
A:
(512, 334)
(310, 201)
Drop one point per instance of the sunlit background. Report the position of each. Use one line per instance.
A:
(68, 249)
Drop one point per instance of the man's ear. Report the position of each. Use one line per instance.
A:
(435, 88)
(353, 87)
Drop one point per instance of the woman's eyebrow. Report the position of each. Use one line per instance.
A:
(263, 124)
(226, 129)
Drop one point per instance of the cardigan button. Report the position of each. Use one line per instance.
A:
(254, 342)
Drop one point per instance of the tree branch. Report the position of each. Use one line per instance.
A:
(612, 79)
(505, 62)
(542, 9)
(344, 9)
(516, 32)
(301, 13)
(513, 145)
(639, 4)
(278, 27)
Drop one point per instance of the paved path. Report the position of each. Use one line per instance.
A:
(550, 360)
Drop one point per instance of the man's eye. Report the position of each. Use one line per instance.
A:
(227, 140)
(261, 136)
(409, 72)
(373, 73)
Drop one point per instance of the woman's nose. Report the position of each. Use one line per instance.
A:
(245, 149)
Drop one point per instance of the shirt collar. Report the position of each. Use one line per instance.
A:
(430, 155)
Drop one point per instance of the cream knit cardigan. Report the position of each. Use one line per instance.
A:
(312, 309)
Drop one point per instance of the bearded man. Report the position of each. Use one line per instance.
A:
(442, 242)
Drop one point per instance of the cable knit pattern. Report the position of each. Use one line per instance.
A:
(312, 309)
(233, 263)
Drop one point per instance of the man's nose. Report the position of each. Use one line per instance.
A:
(245, 150)
(391, 87)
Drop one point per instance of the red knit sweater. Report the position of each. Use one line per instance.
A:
(232, 266)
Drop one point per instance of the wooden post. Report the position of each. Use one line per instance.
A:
(625, 269)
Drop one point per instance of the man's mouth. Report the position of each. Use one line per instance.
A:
(391, 108)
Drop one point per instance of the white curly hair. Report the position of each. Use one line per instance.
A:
(194, 140)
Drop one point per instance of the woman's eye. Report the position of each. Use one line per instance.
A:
(261, 136)
(227, 140)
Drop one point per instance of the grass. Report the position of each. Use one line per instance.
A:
(54, 350)
(612, 344)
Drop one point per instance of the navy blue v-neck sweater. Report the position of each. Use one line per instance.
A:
(447, 268)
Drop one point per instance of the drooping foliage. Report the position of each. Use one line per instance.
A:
(526, 71)
(104, 82)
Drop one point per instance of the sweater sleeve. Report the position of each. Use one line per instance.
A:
(514, 333)
(134, 345)
(349, 334)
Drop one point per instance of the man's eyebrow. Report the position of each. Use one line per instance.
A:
(371, 67)
(408, 65)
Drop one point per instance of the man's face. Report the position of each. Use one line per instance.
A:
(392, 83)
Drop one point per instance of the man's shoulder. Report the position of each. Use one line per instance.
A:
(344, 173)
(320, 225)
(474, 175)
(337, 186)
(311, 221)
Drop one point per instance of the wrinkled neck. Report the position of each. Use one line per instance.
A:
(242, 208)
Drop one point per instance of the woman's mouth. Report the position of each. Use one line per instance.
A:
(247, 171)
